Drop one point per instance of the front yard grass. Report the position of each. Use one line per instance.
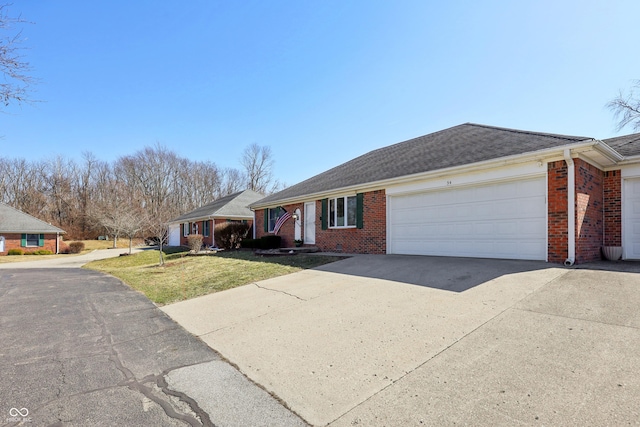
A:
(183, 277)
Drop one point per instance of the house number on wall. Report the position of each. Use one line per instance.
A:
(448, 182)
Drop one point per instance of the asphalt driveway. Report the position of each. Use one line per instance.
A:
(81, 348)
(393, 340)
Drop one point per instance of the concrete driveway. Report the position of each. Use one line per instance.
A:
(401, 340)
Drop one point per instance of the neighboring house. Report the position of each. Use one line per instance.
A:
(234, 207)
(19, 230)
(472, 191)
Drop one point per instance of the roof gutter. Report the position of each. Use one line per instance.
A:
(608, 151)
(472, 167)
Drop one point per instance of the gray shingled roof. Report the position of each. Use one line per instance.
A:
(15, 221)
(232, 206)
(627, 145)
(460, 145)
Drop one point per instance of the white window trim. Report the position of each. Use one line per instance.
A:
(346, 213)
(185, 229)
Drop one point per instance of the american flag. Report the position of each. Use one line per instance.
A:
(283, 218)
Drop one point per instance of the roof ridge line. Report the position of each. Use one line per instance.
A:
(528, 132)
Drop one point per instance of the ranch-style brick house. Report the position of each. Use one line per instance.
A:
(19, 230)
(234, 207)
(472, 191)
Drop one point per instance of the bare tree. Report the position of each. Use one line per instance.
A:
(257, 162)
(16, 83)
(132, 223)
(232, 182)
(153, 172)
(59, 175)
(118, 211)
(157, 225)
(25, 189)
(626, 107)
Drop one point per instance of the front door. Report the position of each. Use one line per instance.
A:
(310, 223)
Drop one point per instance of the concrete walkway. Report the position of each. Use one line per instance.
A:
(70, 261)
(400, 340)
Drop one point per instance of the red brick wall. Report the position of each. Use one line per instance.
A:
(612, 208)
(13, 241)
(589, 217)
(370, 239)
(287, 231)
(593, 193)
(557, 246)
(184, 241)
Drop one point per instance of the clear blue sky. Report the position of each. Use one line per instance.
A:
(320, 82)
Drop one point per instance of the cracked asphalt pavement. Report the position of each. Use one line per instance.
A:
(81, 348)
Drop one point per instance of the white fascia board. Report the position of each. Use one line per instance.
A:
(630, 171)
(631, 160)
(478, 177)
(544, 156)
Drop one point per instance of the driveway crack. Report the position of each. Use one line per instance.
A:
(276, 290)
(132, 382)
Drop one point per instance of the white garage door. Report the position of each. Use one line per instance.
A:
(631, 228)
(501, 220)
(174, 235)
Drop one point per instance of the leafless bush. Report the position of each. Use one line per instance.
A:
(195, 242)
(230, 234)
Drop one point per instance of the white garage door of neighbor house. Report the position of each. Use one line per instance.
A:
(631, 227)
(500, 220)
(174, 235)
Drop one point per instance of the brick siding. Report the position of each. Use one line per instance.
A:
(557, 246)
(612, 208)
(589, 216)
(14, 241)
(597, 208)
(371, 239)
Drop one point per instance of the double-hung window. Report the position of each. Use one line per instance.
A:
(273, 215)
(185, 229)
(205, 228)
(342, 212)
(32, 240)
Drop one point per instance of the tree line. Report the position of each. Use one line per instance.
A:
(133, 195)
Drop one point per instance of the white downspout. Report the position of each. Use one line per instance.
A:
(253, 226)
(571, 209)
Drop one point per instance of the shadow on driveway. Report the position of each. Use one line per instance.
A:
(445, 273)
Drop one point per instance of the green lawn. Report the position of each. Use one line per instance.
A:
(183, 277)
